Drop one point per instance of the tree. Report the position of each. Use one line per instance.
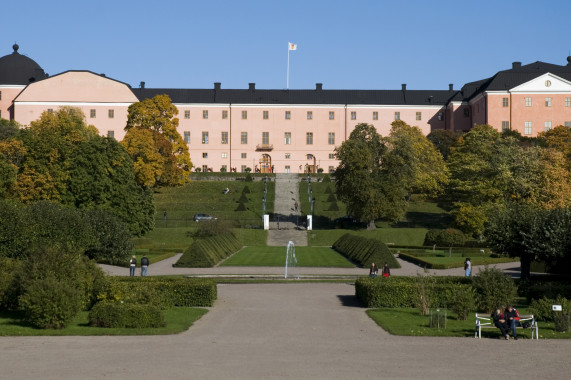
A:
(443, 140)
(558, 138)
(530, 233)
(8, 128)
(160, 154)
(376, 175)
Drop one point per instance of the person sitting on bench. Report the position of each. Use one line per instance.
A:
(512, 319)
(500, 322)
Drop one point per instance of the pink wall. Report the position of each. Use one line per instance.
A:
(7, 96)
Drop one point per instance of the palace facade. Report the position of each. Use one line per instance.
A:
(291, 131)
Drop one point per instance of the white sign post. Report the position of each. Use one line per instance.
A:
(309, 222)
(266, 222)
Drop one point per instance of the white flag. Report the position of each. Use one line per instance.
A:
(291, 46)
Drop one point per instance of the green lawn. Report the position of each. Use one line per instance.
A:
(409, 322)
(181, 203)
(397, 236)
(459, 261)
(275, 256)
(178, 319)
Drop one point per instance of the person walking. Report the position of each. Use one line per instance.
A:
(468, 267)
(374, 270)
(132, 265)
(386, 270)
(144, 265)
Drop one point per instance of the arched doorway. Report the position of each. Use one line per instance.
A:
(310, 166)
(266, 163)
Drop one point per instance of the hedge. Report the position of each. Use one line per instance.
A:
(426, 264)
(365, 251)
(403, 291)
(121, 315)
(209, 251)
(161, 292)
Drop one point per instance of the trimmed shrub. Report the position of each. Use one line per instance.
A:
(125, 315)
(49, 303)
(493, 289)
(328, 190)
(211, 228)
(404, 291)
(331, 198)
(449, 237)
(333, 207)
(326, 178)
(161, 292)
(248, 176)
(207, 252)
(537, 289)
(365, 251)
(241, 207)
(246, 190)
(8, 269)
(243, 198)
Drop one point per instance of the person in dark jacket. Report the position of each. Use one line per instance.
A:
(386, 270)
(512, 317)
(374, 271)
(144, 265)
(500, 322)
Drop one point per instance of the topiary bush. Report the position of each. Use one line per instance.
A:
(246, 190)
(333, 207)
(365, 251)
(207, 252)
(493, 289)
(49, 303)
(326, 178)
(331, 198)
(241, 207)
(404, 291)
(125, 315)
(161, 292)
(449, 237)
(328, 190)
(243, 198)
(249, 177)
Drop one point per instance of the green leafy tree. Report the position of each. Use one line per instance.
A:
(8, 128)
(530, 233)
(443, 140)
(558, 138)
(112, 243)
(157, 115)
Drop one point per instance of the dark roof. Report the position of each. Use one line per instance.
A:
(517, 75)
(255, 96)
(19, 70)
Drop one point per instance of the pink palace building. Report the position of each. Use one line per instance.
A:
(291, 131)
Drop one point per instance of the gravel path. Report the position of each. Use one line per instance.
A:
(165, 267)
(282, 331)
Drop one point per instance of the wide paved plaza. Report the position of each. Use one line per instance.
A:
(282, 331)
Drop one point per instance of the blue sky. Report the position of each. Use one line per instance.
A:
(343, 44)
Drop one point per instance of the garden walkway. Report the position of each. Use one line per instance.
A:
(282, 331)
(407, 269)
(284, 226)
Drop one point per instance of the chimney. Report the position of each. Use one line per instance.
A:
(451, 87)
(217, 85)
(251, 86)
(318, 86)
(403, 86)
(142, 85)
(103, 75)
(516, 65)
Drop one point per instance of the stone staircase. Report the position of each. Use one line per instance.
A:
(284, 225)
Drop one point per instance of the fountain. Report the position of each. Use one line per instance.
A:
(291, 260)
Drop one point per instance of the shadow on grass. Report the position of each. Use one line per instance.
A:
(350, 301)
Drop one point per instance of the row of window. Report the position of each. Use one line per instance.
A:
(265, 138)
(287, 116)
(93, 113)
(528, 102)
(244, 168)
(287, 156)
(528, 126)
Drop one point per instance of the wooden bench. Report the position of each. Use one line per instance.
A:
(485, 321)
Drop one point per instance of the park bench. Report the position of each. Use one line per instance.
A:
(485, 321)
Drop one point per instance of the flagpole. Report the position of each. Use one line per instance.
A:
(287, 76)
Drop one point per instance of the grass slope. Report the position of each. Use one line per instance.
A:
(398, 236)
(275, 256)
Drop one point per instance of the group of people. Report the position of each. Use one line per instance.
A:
(133, 265)
(506, 321)
(374, 271)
